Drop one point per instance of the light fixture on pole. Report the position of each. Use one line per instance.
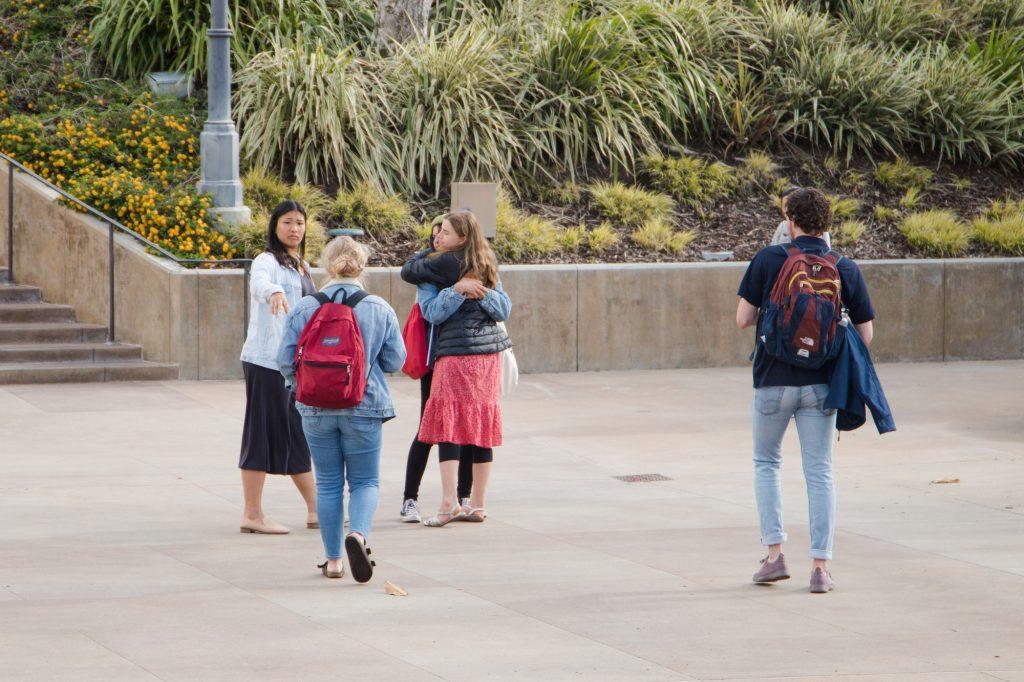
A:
(218, 144)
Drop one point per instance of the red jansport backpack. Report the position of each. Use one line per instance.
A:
(330, 359)
(799, 323)
(414, 334)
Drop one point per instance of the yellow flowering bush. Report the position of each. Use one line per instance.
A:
(139, 168)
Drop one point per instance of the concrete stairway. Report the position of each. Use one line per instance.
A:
(43, 343)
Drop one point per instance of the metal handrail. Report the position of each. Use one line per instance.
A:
(112, 224)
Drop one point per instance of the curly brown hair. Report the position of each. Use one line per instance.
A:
(810, 209)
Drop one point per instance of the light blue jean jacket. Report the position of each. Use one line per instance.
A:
(385, 352)
(437, 306)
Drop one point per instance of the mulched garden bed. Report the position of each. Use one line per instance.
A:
(745, 221)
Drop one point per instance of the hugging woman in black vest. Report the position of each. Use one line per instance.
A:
(459, 292)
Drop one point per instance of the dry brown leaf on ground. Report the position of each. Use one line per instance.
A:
(943, 481)
(394, 590)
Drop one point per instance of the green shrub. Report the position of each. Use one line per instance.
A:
(367, 208)
(561, 194)
(758, 167)
(854, 180)
(265, 191)
(136, 37)
(572, 238)
(895, 22)
(787, 27)
(688, 180)
(657, 235)
(322, 113)
(629, 206)
(596, 95)
(848, 232)
(964, 115)
(846, 97)
(844, 207)
(936, 232)
(1005, 234)
(602, 238)
(884, 214)
(911, 198)
(902, 175)
(456, 98)
(520, 236)
(961, 183)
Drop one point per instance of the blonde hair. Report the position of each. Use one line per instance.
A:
(344, 258)
(480, 259)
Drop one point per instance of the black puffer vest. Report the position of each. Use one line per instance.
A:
(470, 331)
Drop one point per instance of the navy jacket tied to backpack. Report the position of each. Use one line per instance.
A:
(853, 385)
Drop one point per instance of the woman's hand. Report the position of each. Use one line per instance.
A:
(470, 287)
(279, 304)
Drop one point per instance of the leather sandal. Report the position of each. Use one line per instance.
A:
(330, 574)
(453, 514)
(475, 515)
(359, 561)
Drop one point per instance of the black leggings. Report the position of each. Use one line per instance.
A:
(419, 453)
(471, 453)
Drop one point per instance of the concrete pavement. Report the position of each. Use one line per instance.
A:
(120, 557)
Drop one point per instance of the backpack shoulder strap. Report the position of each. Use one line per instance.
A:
(833, 257)
(353, 299)
(321, 297)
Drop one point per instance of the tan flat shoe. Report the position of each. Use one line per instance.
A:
(266, 527)
(475, 515)
(312, 522)
(444, 518)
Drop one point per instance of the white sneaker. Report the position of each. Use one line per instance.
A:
(410, 511)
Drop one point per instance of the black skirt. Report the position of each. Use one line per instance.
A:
(272, 438)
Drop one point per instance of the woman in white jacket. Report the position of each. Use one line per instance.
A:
(272, 437)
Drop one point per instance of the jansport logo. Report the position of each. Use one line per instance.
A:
(331, 341)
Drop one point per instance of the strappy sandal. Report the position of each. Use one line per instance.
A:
(331, 574)
(359, 560)
(475, 515)
(453, 514)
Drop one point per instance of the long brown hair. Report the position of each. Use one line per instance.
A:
(479, 258)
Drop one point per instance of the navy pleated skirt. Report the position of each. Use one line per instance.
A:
(272, 438)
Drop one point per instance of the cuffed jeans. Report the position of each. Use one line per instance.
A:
(344, 448)
(774, 406)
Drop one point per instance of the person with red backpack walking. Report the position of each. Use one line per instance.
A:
(336, 348)
(795, 294)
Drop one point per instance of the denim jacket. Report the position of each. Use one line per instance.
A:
(385, 351)
(263, 337)
(437, 306)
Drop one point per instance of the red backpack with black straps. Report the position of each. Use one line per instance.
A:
(330, 358)
(798, 325)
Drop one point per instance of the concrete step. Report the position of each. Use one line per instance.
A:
(63, 352)
(69, 372)
(19, 293)
(36, 312)
(51, 332)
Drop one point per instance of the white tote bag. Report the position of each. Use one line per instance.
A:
(509, 368)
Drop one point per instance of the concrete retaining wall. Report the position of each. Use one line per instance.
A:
(565, 318)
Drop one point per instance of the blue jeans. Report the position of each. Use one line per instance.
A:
(774, 406)
(344, 448)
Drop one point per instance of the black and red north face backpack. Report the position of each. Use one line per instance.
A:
(330, 358)
(798, 325)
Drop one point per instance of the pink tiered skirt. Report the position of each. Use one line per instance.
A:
(463, 407)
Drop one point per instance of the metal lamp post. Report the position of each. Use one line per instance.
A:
(218, 144)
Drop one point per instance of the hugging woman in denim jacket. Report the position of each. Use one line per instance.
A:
(346, 444)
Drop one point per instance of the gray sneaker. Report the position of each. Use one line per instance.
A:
(772, 571)
(410, 511)
(821, 581)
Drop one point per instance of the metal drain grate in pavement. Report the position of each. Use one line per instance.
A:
(642, 478)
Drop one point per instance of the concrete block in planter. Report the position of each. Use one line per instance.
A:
(168, 84)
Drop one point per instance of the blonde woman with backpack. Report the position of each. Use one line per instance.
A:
(345, 442)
